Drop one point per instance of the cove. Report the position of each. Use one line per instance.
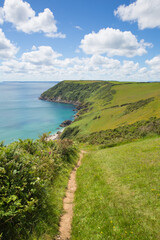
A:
(23, 115)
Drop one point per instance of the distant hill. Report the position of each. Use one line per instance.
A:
(104, 105)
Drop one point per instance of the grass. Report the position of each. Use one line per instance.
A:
(115, 103)
(122, 134)
(48, 231)
(118, 194)
(117, 106)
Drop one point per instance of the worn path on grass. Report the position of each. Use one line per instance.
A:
(66, 219)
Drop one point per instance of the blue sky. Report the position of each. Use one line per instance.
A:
(100, 39)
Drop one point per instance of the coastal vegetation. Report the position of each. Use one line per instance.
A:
(74, 92)
(117, 197)
(118, 124)
(107, 106)
(33, 177)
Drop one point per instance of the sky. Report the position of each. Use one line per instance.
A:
(54, 40)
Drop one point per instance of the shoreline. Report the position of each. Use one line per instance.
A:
(55, 136)
(60, 101)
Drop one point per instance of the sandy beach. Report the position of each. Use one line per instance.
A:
(55, 136)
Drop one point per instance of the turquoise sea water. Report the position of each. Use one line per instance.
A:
(23, 115)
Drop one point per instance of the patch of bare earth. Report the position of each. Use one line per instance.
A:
(66, 219)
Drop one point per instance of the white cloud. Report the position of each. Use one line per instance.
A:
(143, 70)
(104, 62)
(24, 18)
(1, 15)
(78, 27)
(7, 49)
(55, 35)
(113, 42)
(44, 63)
(145, 12)
(43, 55)
(154, 64)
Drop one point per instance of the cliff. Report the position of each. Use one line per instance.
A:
(73, 92)
(106, 105)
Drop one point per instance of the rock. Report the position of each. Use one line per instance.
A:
(65, 123)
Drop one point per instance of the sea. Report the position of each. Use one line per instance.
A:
(23, 115)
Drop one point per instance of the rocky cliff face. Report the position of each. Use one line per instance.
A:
(66, 123)
(58, 100)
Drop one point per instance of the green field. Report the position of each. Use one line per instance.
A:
(107, 105)
(111, 118)
(118, 195)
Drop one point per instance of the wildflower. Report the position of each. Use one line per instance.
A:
(49, 153)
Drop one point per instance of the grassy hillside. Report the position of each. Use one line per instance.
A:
(118, 195)
(106, 105)
(118, 183)
(76, 92)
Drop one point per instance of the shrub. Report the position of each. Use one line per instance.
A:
(136, 105)
(112, 137)
(27, 170)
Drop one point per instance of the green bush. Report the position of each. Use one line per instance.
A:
(136, 105)
(123, 134)
(27, 170)
(70, 132)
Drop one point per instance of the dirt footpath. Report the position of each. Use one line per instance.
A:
(66, 219)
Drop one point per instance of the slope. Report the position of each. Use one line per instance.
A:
(106, 105)
(118, 193)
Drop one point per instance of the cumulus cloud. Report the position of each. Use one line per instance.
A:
(145, 12)
(143, 70)
(24, 18)
(113, 42)
(154, 64)
(44, 61)
(7, 49)
(43, 55)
